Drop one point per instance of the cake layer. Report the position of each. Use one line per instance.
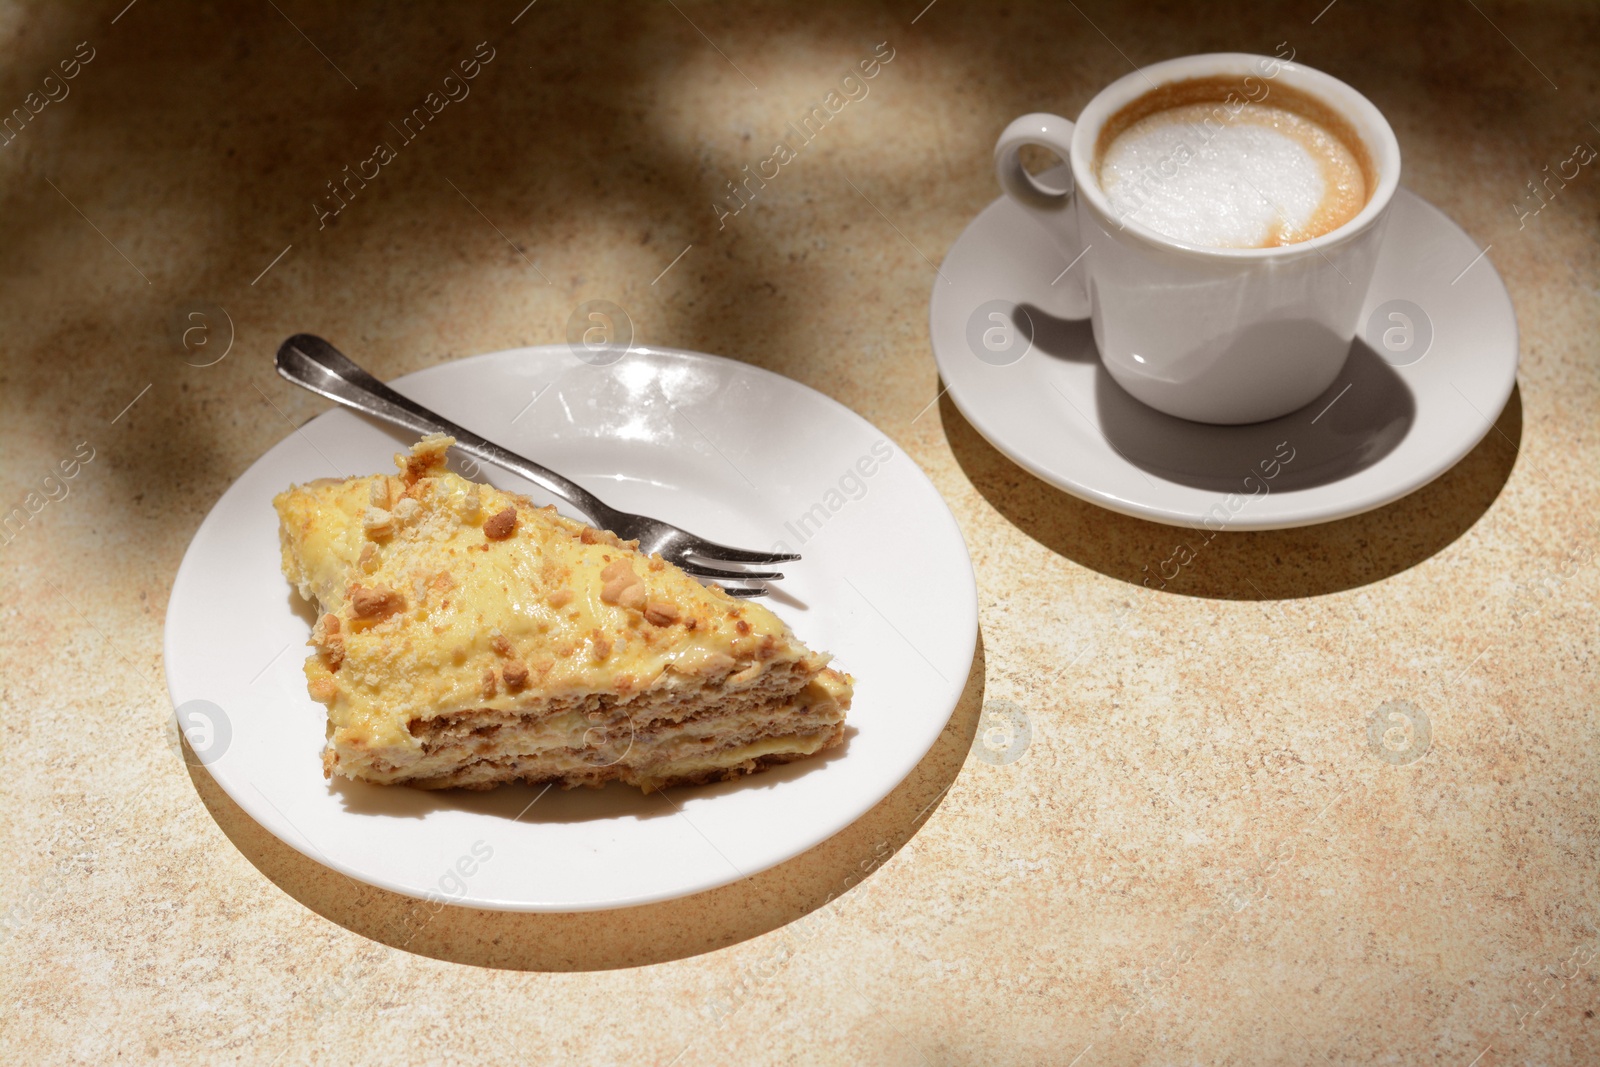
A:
(649, 763)
(600, 737)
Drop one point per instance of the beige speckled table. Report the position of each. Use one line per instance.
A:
(1199, 858)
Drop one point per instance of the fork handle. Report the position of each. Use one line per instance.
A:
(311, 362)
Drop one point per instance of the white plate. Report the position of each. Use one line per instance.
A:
(730, 451)
(1407, 406)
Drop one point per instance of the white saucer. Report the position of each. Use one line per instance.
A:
(736, 453)
(1419, 391)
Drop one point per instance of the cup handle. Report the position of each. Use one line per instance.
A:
(1040, 128)
(1055, 133)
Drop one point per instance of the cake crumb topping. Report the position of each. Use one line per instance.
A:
(515, 674)
(622, 586)
(500, 525)
(375, 602)
(661, 613)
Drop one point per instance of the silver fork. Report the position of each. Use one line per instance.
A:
(309, 361)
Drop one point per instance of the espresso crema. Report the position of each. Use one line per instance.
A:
(1225, 163)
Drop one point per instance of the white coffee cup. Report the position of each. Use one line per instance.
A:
(1222, 335)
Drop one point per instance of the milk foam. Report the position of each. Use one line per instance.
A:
(1266, 177)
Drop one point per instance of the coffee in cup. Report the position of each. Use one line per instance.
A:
(1225, 163)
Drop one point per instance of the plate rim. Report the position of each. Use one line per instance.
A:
(802, 842)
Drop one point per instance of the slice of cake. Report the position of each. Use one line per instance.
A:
(467, 638)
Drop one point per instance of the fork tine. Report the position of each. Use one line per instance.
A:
(746, 592)
(702, 571)
(727, 554)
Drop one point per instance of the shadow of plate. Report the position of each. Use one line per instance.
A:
(626, 937)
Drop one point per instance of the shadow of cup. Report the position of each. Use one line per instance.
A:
(1237, 565)
(1357, 420)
